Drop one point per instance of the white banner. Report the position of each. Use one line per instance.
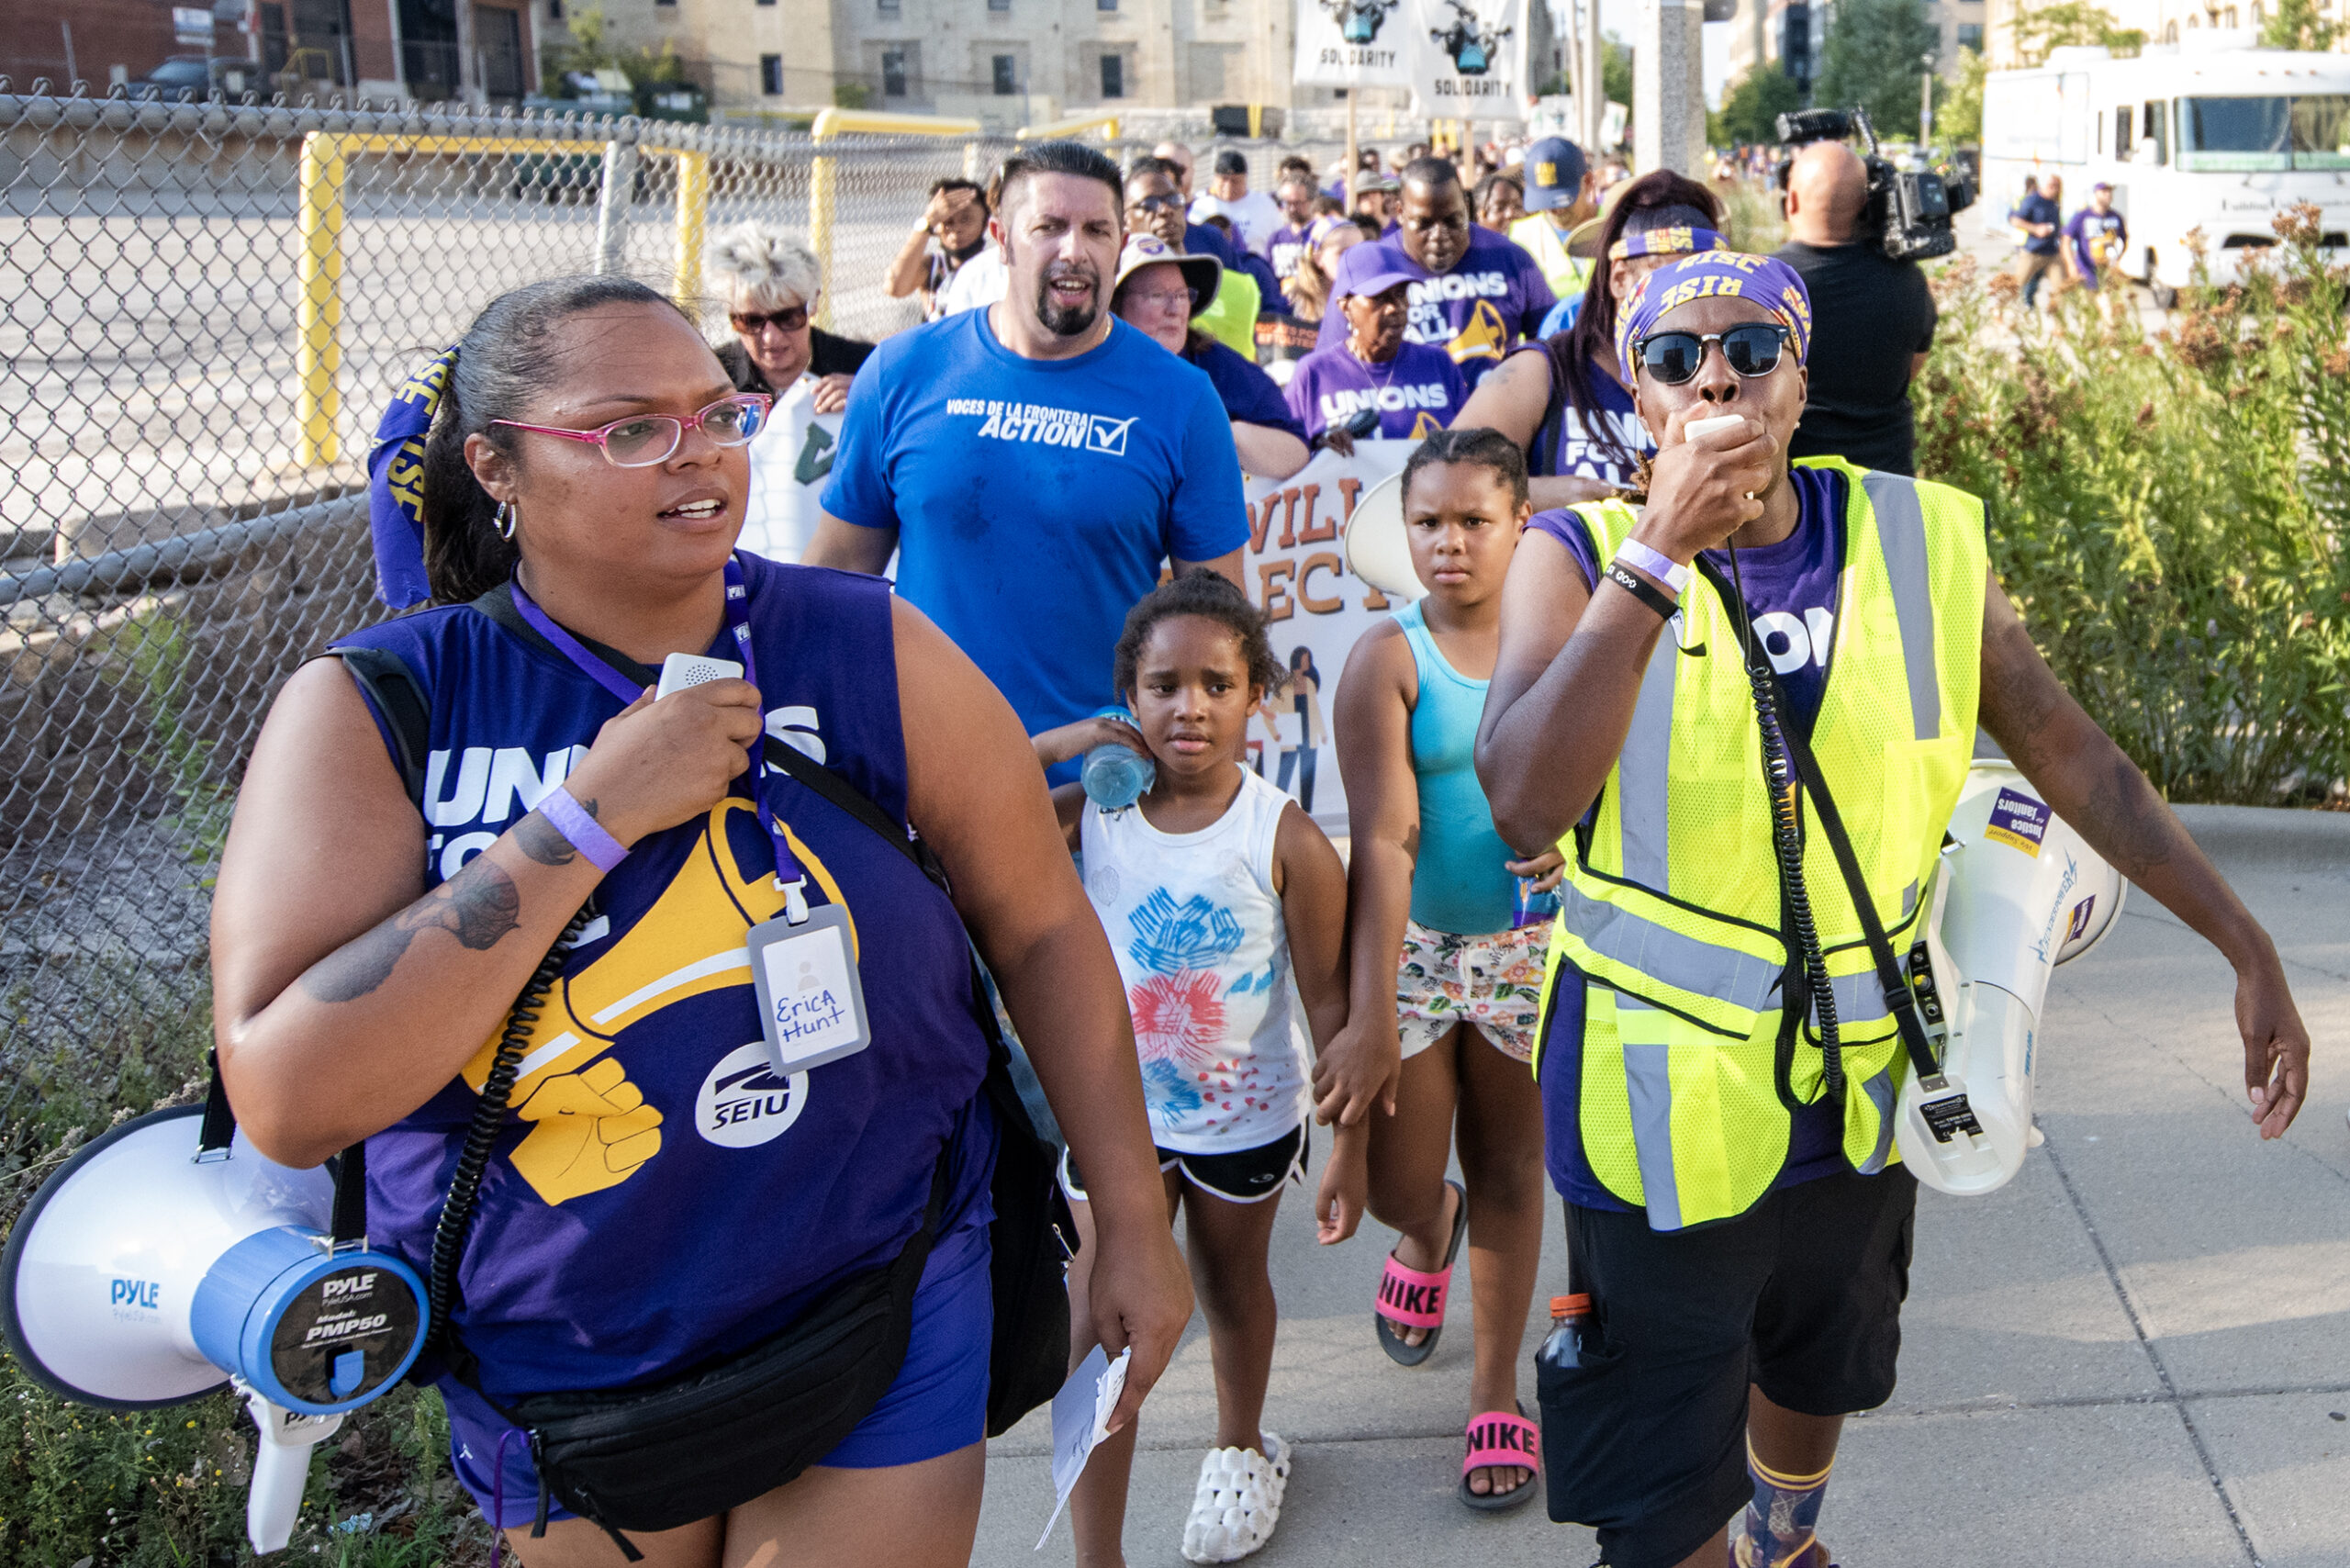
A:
(1314, 608)
(1469, 58)
(1354, 43)
(1464, 59)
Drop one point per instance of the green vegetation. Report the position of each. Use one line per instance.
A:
(1874, 55)
(1750, 110)
(2042, 28)
(2299, 24)
(2171, 515)
(1958, 118)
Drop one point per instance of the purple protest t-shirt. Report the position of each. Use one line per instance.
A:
(1493, 297)
(1417, 392)
(1790, 589)
(1286, 248)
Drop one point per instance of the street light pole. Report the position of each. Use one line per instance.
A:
(1926, 102)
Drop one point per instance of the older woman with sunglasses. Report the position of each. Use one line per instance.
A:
(770, 283)
(676, 1195)
(1744, 712)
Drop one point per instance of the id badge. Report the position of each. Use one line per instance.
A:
(812, 1004)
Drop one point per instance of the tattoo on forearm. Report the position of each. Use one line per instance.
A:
(544, 842)
(477, 906)
(2024, 696)
(2127, 820)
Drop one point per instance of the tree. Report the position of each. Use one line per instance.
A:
(2074, 22)
(1875, 54)
(1750, 110)
(2297, 25)
(1614, 70)
(1958, 118)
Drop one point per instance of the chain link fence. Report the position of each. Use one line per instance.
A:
(203, 309)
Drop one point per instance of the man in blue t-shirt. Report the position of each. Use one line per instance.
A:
(2038, 218)
(2095, 236)
(1036, 463)
(1474, 294)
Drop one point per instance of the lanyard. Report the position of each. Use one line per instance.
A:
(788, 876)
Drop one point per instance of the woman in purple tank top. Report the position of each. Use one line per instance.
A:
(661, 1198)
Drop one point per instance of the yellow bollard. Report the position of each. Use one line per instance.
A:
(693, 219)
(822, 196)
(318, 296)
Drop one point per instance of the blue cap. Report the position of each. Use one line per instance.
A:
(1553, 173)
(1381, 280)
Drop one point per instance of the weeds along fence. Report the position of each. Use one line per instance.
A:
(203, 309)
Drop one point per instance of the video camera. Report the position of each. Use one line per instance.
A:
(1908, 214)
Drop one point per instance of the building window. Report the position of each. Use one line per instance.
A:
(1105, 4)
(1007, 76)
(555, 10)
(1113, 76)
(894, 74)
(886, 8)
(771, 75)
(998, 5)
(1970, 35)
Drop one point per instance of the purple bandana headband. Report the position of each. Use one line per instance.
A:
(396, 483)
(1676, 240)
(1770, 282)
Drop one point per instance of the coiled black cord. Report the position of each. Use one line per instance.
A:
(481, 1134)
(1786, 843)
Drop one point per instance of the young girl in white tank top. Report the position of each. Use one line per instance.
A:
(1226, 907)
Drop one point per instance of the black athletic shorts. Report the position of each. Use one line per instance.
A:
(1800, 1296)
(1244, 1176)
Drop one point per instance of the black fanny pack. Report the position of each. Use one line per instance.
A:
(694, 1445)
(701, 1442)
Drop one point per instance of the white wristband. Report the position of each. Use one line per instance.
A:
(1654, 562)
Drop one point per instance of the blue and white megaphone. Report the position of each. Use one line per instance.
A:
(2016, 893)
(168, 1259)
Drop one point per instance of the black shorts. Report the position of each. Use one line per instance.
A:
(1800, 1296)
(1244, 1176)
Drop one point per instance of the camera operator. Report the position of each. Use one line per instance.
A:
(1874, 315)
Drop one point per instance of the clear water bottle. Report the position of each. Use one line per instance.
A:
(1115, 776)
(1572, 1332)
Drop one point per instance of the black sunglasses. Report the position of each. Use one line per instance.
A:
(1154, 203)
(789, 321)
(1752, 349)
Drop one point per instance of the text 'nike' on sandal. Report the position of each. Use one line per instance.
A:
(1502, 1439)
(1415, 1300)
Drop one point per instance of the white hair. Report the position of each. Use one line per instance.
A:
(755, 265)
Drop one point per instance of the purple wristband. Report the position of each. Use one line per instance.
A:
(587, 834)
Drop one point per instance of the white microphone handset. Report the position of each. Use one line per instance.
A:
(681, 670)
(281, 1465)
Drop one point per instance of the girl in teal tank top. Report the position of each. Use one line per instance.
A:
(1444, 991)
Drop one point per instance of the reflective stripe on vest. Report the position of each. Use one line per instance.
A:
(1671, 906)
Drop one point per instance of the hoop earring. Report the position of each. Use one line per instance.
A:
(503, 520)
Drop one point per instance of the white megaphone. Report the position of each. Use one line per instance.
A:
(2016, 893)
(1378, 550)
(151, 1270)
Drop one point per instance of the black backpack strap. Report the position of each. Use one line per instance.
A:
(348, 1224)
(1899, 1000)
(391, 687)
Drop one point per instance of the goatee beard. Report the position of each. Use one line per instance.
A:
(1064, 321)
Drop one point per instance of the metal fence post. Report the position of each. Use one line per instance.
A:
(693, 218)
(620, 161)
(318, 301)
(822, 198)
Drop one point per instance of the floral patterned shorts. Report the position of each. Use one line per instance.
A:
(1494, 983)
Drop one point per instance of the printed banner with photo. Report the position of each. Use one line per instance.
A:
(1463, 58)
(1314, 609)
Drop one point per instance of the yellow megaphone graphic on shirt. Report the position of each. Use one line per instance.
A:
(592, 1129)
(1482, 336)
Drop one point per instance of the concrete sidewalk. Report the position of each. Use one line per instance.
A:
(2137, 1353)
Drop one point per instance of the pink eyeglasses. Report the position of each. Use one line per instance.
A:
(641, 440)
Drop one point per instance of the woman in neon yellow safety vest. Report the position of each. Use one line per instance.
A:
(1734, 1200)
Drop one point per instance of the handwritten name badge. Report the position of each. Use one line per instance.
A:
(812, 1004)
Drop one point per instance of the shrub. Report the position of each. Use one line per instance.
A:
(2170, 514)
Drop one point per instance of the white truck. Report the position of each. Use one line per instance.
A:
(2209, 133)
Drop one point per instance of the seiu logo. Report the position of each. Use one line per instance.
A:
(144, 1293)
